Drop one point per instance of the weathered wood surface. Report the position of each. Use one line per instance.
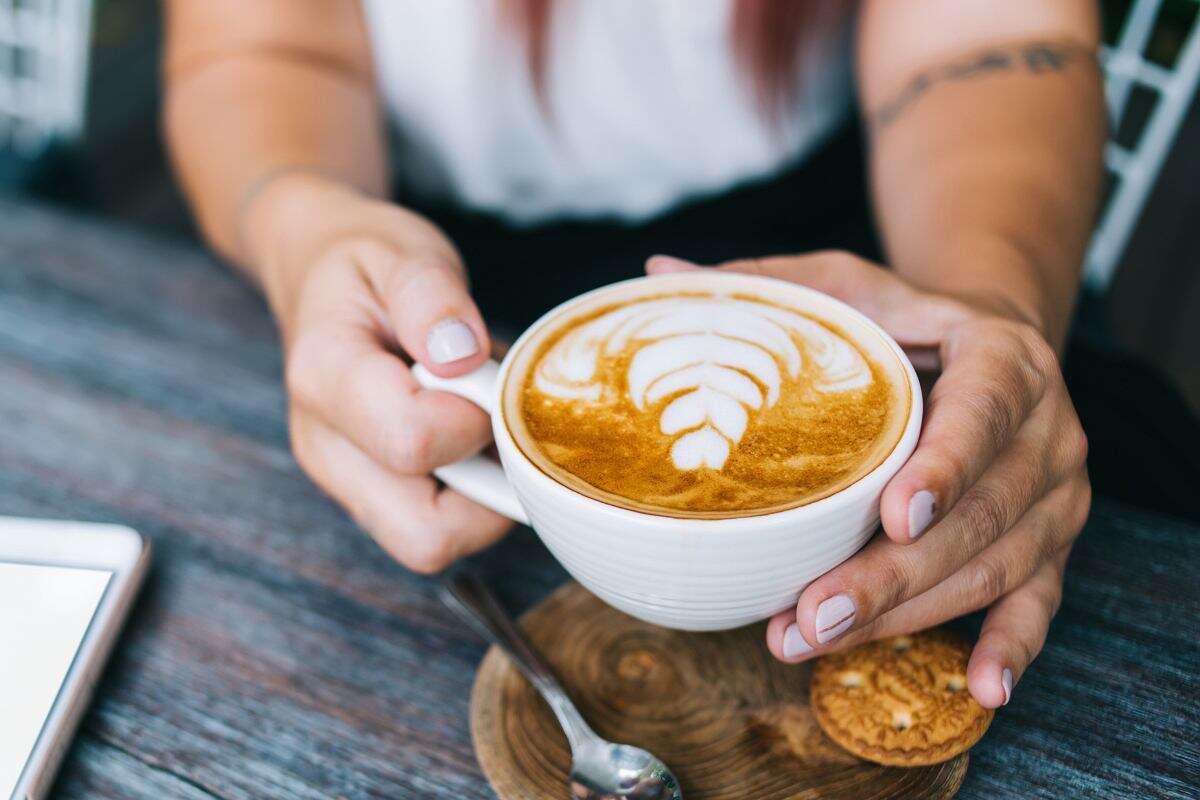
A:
(277, 653)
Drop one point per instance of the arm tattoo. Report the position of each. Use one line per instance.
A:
(1034, 58)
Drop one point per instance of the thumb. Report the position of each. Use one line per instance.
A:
(914, 318)
(663, 265)
(432, 313)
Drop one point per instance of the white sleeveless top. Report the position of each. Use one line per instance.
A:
(647, 103)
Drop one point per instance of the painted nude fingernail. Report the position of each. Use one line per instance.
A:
(450, 340)
(793, 642)
(835, 615)
(1006, 683)
(672, 263)
(920, 512)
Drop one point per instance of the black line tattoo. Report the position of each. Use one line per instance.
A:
(1035, 58)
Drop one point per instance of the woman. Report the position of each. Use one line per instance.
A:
(566, 134)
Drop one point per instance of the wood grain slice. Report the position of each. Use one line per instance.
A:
(730, 721)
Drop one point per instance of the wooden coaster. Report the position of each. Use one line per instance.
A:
(729, 720)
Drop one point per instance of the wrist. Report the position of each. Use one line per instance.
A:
(299, 218)
(998, 276)
(286, 220)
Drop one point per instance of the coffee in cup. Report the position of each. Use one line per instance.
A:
(703, 404)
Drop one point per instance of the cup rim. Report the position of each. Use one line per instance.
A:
(696, 526)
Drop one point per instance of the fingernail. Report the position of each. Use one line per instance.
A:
(672, 263)
(450, 340)
(794, 643)
(1005, 681)
(835, 615)
(920, 513)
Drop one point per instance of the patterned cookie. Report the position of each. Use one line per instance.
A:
(901, 701)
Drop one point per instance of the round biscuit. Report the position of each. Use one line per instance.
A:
(901, 701)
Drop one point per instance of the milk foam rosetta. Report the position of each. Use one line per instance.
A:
(703, 403)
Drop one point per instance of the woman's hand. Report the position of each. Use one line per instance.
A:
(985, 511)
(374, 283)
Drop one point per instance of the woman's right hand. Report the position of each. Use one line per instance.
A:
(354, 284)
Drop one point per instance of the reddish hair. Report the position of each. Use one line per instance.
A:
(766, 35)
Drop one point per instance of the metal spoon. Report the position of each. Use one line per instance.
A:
(600, 770)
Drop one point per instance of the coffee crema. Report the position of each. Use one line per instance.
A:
(702, 404)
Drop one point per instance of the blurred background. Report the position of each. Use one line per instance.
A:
(79, 128)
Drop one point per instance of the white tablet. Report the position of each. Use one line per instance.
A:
(65, 589)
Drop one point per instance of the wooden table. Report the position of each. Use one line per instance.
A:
(278, 653)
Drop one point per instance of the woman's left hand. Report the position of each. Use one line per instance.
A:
(985, 511)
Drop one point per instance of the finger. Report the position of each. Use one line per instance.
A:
(885, 574)
(914, 318)
(429, 308)
(995, 375)
(785, 640)
(997, 572)
(663, 265)
(853, 587)
(1013, 633)
(341, 372)
(967, 591)
(422, 525)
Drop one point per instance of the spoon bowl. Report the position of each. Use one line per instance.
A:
(606, 771)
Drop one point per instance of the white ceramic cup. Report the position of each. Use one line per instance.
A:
(690, 574)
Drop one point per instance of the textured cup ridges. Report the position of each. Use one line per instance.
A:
(658, 576)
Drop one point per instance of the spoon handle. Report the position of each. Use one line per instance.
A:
(475, 604)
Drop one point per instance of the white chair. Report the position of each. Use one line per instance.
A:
(1136, 169)
(44, 46)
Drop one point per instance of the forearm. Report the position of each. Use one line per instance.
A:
(254, 104)
(986, 175)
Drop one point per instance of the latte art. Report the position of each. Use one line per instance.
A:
(702, 403)
(718, 359)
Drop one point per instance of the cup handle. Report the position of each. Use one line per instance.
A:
(478, 477)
